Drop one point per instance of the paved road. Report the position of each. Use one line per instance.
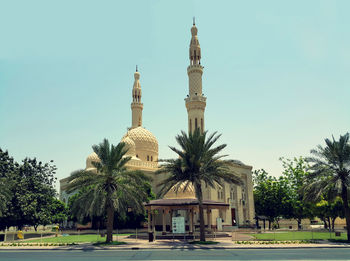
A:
(178, 254)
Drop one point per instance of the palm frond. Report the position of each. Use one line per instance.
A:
(111, 186)
(198, 161)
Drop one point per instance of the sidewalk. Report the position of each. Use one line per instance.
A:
(140, 244)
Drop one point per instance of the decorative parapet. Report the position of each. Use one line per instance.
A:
(195, 68)
(143, 164)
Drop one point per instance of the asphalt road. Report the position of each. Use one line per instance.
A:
(178, 254)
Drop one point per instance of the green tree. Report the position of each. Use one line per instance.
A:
(330, 167)
(198, 163)
(328, 211)
(26, 192)
(112, 188)
(271, 197)
(58, 211)
(294, 173)
(34, 193)
(7, 170)
(5, 196)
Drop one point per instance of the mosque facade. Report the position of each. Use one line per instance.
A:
(229, 204)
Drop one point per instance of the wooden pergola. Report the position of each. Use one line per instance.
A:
(167, 206)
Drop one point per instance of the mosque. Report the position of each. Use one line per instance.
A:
(226, 206)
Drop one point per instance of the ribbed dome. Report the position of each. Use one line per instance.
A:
(188, 193)
(129, 145)
(91, 158)
(143, 139)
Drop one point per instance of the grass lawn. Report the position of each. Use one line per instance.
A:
(302, 235)
(72, 239)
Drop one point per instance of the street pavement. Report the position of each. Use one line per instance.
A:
(178, 254)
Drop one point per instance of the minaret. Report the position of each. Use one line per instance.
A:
(195, 101)
(136, 105)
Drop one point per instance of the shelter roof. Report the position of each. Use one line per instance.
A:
(168, 202)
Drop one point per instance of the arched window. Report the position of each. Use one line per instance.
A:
(190, 126)
(147, 158)
(232, 193)
(151, 158)
(195, 123)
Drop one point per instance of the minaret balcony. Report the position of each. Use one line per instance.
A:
(195, 68)
(196, 103)
(196, 98)
(136, 105)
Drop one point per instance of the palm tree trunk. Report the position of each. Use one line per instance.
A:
(344, 195)
(110, 217)
(201, 212)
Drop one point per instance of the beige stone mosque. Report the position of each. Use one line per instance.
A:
(225, 206)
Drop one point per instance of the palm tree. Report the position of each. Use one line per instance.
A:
(112, 188)
(330, 171)
(198, 163)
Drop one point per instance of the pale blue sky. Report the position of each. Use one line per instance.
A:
(276, 76)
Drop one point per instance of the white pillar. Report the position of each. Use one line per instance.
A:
(149, 220)
(191, 220)
(163, 220)
(209, 218)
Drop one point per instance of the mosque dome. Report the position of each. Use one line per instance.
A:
(146, 144)
(91, 158)
(129, 145)
(180, 193)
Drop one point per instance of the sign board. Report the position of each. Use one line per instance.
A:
(219, 224)
(178, 225)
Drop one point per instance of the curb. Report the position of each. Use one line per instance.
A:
(169, 248)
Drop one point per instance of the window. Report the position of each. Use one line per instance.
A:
(147, 158)
(195, 124)
(202, 125)
(190, 126)
(232, 194)
(220, 193)
(151, 158)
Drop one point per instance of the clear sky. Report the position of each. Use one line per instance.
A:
(276, 76)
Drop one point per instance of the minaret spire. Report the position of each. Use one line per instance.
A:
(195, 48)
(195, 101)
(136, 105)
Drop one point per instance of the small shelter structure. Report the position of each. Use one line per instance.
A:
(180, 202)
